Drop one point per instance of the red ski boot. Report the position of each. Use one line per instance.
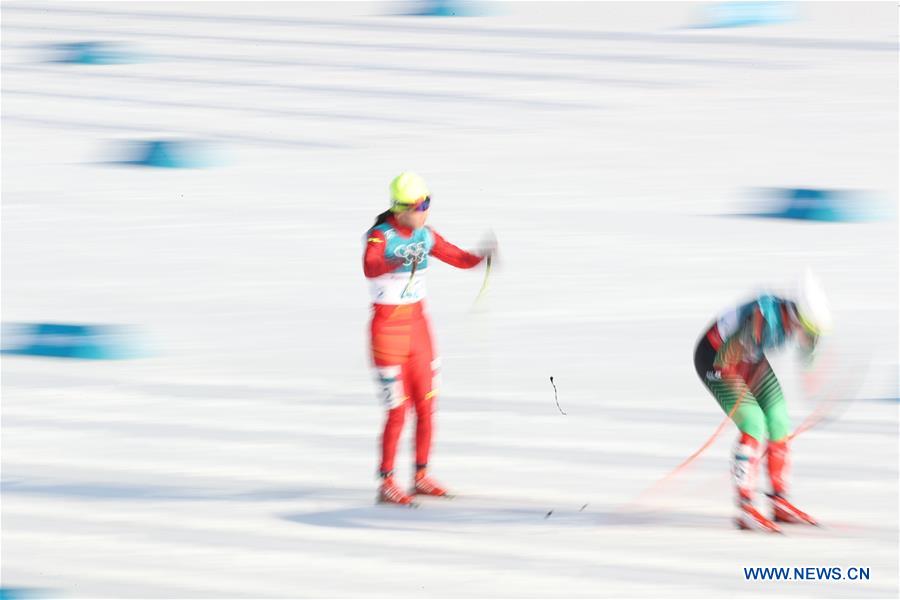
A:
(751, 519)
(779, 468)
(390, 493)
(745, 465)
(426, 486)
(785, 512)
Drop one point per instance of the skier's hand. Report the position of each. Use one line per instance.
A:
(808, 349)
(808, 355)
(488, 246)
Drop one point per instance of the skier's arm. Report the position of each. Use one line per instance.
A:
(756, 326)
(752, 336)
(375, 262)
(743, 345)
(452, 255)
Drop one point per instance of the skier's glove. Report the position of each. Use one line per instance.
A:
(808, 353)
(488, 246)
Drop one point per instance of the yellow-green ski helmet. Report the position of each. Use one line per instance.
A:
(407, 189)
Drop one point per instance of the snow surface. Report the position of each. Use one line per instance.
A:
(609, 147)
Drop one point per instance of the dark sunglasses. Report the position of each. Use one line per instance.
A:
(423, 205)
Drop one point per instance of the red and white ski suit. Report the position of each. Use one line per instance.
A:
(407, 368)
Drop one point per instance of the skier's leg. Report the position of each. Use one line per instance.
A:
(425, 403)
(729, 388)
(751, 423)
(425, 386)
(390, 341)
(391, 335)
(736, 399)
(425, 372)
(770, 396)
(749, 418)
(394, 395)
(771, 399)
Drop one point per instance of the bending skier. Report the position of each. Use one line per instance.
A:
(730, 360)
(397, 250)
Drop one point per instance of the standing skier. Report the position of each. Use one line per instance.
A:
(395, 262)
(730, 360)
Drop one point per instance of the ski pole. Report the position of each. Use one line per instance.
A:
(484, 284)
(412, 274)
(690, 459)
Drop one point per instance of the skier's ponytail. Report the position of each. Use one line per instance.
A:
(382, 218)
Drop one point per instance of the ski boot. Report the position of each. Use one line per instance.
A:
(390, 493)
(751, 519)
(426, 486)
(785, 512)
(779, 470)
(744, 469)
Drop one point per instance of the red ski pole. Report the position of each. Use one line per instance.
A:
(690, 459)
